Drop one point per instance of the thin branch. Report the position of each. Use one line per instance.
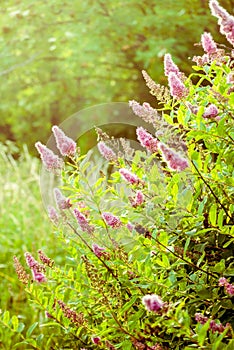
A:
(186, 261)
(214, 195)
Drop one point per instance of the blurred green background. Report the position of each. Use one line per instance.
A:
(60, 56)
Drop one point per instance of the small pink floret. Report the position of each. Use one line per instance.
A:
(83, 222)
(170, 66)
(51, 161)
(177, 87)
(61, 201)
(152, 302)
(65, 144)
(147, 140)
(208, 44)
(174, 160)
(128, 176)
(111, 220)
(98, 251)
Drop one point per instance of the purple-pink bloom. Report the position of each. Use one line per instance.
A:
(153, 302)
(61, 201)
(83, 222)
(211, 112)
(201, 318)
(53, 215)
(32, 263)
(138, 200)
(36, 268)
(65, 144)
(146, 112)
(111, 220)
(222, 282)
(177, 87)
(208, 44)
(174, 160)
(98, 251)
(229, 288)
(96, 340)
(147, 140)
(129, 177)
(213, 326)
(170, 66)
(50, 160)
(225, 20)
(106, 151)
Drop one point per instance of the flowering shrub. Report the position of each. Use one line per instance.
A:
(150, 247)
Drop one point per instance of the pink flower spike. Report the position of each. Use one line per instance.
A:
(217, 10)
(211, 112)
(65, 144)
(61, 201)
(225, 20)
(32, 263)
(138, 200)
(111, 220)
(152, 302)
(53, 215)
(177, 88)
(51, 161)
(147, 140)
(170, 66)
(82, 221)
(98, 251)
(106, 151)
(146, 112)
(129, 177)
(174, 160)
(36, 268)
(208, 44)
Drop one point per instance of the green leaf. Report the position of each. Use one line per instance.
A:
(213, 214)
(220, 218)
(15, 323)
(6, 317)
(202, 332)
(31, 329)
(219, 267)
(129, 304)
(21, 327)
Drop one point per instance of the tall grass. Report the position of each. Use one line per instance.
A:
(24, 225)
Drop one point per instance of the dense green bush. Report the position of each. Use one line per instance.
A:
(59, 57)
(149, 247)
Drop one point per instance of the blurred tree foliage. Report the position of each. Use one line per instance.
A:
(60, 56)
